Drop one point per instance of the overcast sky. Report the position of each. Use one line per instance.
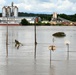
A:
(42, 6)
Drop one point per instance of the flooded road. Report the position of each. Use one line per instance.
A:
(24, 61)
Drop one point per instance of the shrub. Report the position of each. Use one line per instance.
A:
(24, 22)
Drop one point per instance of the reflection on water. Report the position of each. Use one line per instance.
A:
(44, 39)
(21, 61)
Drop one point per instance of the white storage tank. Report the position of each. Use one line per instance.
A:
(15, 11)
(55, 15)
(4, 11)
(9, 11)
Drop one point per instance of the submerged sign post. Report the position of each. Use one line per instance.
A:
(67, 43)
(52, 47)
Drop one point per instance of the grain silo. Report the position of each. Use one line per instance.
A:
(8, 11)
(15, 11)
(4, 11)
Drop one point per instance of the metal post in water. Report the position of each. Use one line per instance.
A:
(67, 44)
(7, 36)
(35, 35)
(35, 53)
(7, 42)
(50, 55)
(67, 51)
(35, 39)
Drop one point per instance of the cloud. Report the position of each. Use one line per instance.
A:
(2, 3)
(46, 6)
(73, 1)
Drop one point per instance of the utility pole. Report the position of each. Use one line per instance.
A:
(35, 38)
(7, 35)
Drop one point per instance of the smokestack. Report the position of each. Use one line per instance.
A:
(12, 4)
(12, 13)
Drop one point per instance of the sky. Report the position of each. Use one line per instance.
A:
(42, 6)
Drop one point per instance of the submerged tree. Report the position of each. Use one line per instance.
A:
(59, 34)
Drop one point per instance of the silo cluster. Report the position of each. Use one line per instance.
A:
(10, 11)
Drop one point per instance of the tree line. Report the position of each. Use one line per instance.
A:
(46, 16)
(68, 17)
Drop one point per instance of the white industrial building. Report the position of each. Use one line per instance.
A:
(10, 15)
(16, 20)
(10, 11)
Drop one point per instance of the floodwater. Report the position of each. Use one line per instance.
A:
(28, 60)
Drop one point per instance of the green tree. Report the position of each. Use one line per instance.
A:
(24, 22)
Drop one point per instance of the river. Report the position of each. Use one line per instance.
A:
(23, 62)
